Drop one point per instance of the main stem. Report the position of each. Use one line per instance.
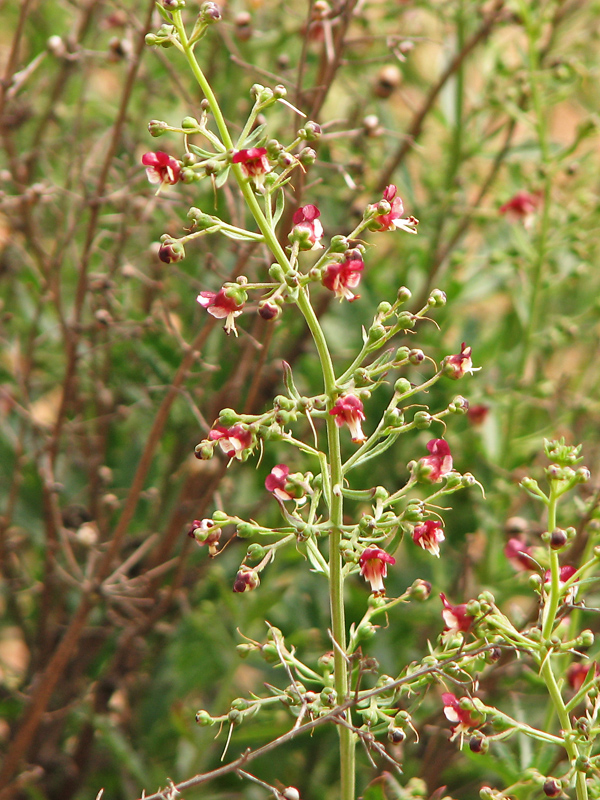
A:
(335, 500)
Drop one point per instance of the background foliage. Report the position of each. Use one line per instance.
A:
(114, 627)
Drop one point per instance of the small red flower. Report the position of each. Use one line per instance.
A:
(221, 305)
(348, 410)
(462, 718)
(246, 580)
(455, 617)
(373, 567)
(342, 278)
(307, 228)
(161, 168)
(276, 482)
(232, 441)
(458, 365)
(428, 536)
(433, 467)
(202, 532)
(519, 555)
(254, 164)
(521, 207)
(393, 220)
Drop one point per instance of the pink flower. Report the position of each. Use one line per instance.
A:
(433, 467)
(246, 580)
(161, 168)
(428, 536)
(277, 480)
(521, 207)
(462, 718)
(348, 410)
(307, 228)
(232, 441)
(393, 220)
(342, 278)
(222, 305)
(455, 617)
(458, 365)
(519, 555)
(373, 567)
(201, 531)
(254, 164)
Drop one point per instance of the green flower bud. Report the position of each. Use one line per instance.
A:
(190, 123)
(204, 719)
(245, 530)
(406, 320)
(157, 127)
(437, 298)
(403, 294)
(228, 418)
(376, 332)
(422, 419)
(244, 649)
(402, 386)
(402, 354)
(393, 417)
(338, 244)
(255, 552)
(269, 653)
(307, 157)
(416, 357)
(384, 309)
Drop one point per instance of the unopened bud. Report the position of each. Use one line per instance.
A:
(420, 590)
(479, 744)
(416, 356)
(157, 127)
(307, 157)
(396, 735)
(203, 718)
(558, 539)
(171, 251)
(269, 310)
(552, 787)
(290, 793)
(210, 13)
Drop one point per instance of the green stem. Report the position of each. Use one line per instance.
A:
(336, 583)
(341, 672)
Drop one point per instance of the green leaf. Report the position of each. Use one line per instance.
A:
(279, 206)
(254, 138)
(222, 177)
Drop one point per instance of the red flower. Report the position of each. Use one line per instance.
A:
(342, 278)
(222, 305)
(458, 365)
(201, 531)
(373, 567)
(439, 463)
(393, 219)
(232, 441)
(519, 555)
(462, 718)
(521, 207)
(254, 164)
(161, 168)
(428, 536)
(307, 228)
(455, 617)
(348, 410)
